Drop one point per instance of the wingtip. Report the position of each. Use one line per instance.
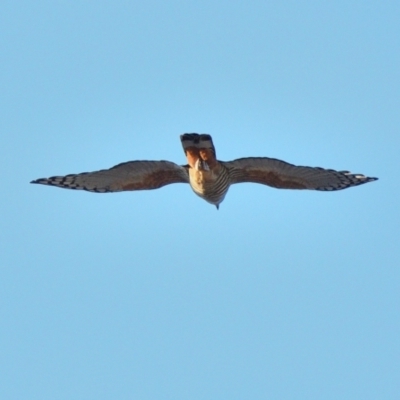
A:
(42, 181)
(363, 178)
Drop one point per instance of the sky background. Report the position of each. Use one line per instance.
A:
(157, 295)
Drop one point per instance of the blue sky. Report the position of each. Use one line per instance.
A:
(157, 295)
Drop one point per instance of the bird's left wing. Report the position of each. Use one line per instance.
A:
(282, 175)
(133, 175)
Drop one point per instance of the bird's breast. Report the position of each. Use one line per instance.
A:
(202, 181)
(211, 185)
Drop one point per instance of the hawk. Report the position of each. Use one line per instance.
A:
(209, 177)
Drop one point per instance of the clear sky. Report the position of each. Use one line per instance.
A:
(157, 295)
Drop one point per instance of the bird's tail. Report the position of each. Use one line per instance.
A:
(199, 148)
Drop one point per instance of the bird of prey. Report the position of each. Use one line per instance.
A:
(209, 177)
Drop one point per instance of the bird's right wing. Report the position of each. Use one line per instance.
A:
(132, 175)
(282, 175)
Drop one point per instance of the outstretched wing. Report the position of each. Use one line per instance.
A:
(282, 175)
(133, 175)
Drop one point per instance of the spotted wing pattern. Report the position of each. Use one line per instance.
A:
(133, 175)
(282, 175)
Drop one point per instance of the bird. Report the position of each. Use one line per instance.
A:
(208, 177)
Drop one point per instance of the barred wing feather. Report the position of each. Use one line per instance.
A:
(282, 175)
(132, 175)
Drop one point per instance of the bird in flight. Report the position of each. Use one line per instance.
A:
(209, 177)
